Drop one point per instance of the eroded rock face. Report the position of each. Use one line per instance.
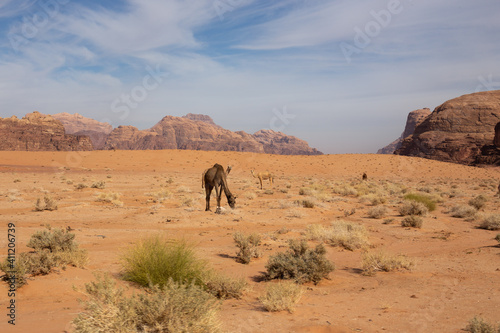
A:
(496, 140)
(79, 125)
(412, 121)
(199, 132)
(37, 131)
(457, 130)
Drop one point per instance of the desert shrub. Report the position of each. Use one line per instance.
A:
(80, 186)
(345, 190)
(173, 308)
(110, 197)
(497, 238)
(412, 221)
(374, 199)
(224, 287)
(160, 196)
(248, 245)
(47, 203)
(281, 296)
(153, 261)
(463, 211)
(426, 200)
(491, 222)
(479, 325)
(412, 207)
(100, 184)
(377, 212)
(308, 203)
(299, 263)
(478, 202)
(373, 262)
(52, 248)
(350, 236)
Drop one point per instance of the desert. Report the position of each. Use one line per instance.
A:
(455, 274)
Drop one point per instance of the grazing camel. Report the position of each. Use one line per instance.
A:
(263, 175)
(216, 177)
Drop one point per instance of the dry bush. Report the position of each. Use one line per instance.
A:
(345, 190)
(281, 296)
(411, 207)
(374, 199)
(491, 222)
(412, 221)
(373, 262)
(377, 212)
(426, 200)
(348, 235)
(478, 202)
(110, 197)
(160, 196)
(173, 308)
(497, 238)
(224, 287)
(183, 189)
(463, 211)
(154, 260)
(299, 263)
(99, 185)
(80, 186)
(479, 325)
(47, 203)
(248, 245)
(295, 213)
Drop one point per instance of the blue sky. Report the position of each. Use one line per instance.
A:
(340, 74)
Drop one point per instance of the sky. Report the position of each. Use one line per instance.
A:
(341, 74)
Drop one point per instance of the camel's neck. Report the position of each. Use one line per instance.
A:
(225, 187)
(253, 174)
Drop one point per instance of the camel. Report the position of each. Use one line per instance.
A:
(263, 175)
(216, 177)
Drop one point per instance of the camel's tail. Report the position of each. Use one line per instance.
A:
(203, 178)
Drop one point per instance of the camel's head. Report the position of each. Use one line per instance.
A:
(231, 200)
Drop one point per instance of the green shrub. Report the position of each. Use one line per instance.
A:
(478, 202)
(47, 203)
(53, 240)
(412, 207)
(281, 296)
(173, 308)
(248, 246)
(153, 261)
(412, 221)
(479, 325)
(299, 263)
(348, 235)
(491, 222)
(426, 200)
(373, 262)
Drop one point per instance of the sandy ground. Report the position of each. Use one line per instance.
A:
(457, 273)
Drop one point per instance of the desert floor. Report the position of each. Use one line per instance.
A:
(457, 272)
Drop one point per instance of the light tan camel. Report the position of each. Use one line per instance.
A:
(215, 177)
(263, 176)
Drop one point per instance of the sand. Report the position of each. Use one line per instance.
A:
(457, 272)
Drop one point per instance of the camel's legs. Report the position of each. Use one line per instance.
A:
(208, 191)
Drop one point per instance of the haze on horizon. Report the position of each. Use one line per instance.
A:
(340, 74)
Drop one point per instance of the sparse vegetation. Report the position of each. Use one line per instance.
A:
(412, 207)
(110, 197)
(497, 238)
(224, 287)
(377, 212)
(300, 263)
(248, 245)
(154, 260)
(160, 196)
(47, 203)
(426, 200)
(281, 296)
(491, 222)
(348, 235)
(478, 202)
(463, 211)
(80, 186)
(412, 221)
(374, 262)
(99, 185)
(479, 325)
(173, 308)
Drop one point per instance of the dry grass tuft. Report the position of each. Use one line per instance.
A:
(47, 203)
(374, 262)
(110, 197)
(412, 207)
(490, 222)
(248, 245)
(281, 296)
(348, 235)
(479, 325)
(412, 221)
(378, 212)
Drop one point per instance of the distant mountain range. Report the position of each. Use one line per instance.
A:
(64, 131)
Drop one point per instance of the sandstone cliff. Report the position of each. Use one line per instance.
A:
(79, 125)
(36, 131)
(457, 130)
(412, 121)
(199, 132)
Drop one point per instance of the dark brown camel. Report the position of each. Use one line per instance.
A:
(216, 177)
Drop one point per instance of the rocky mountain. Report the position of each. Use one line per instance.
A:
(79, 125)
(37, 131)
(199, 132)
(412, 121)
(459, 130)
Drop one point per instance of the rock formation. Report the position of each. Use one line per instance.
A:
(79, 125)
(36, 131)
(412, 121)
(199, 132)
(496, 140)
(457, 130)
